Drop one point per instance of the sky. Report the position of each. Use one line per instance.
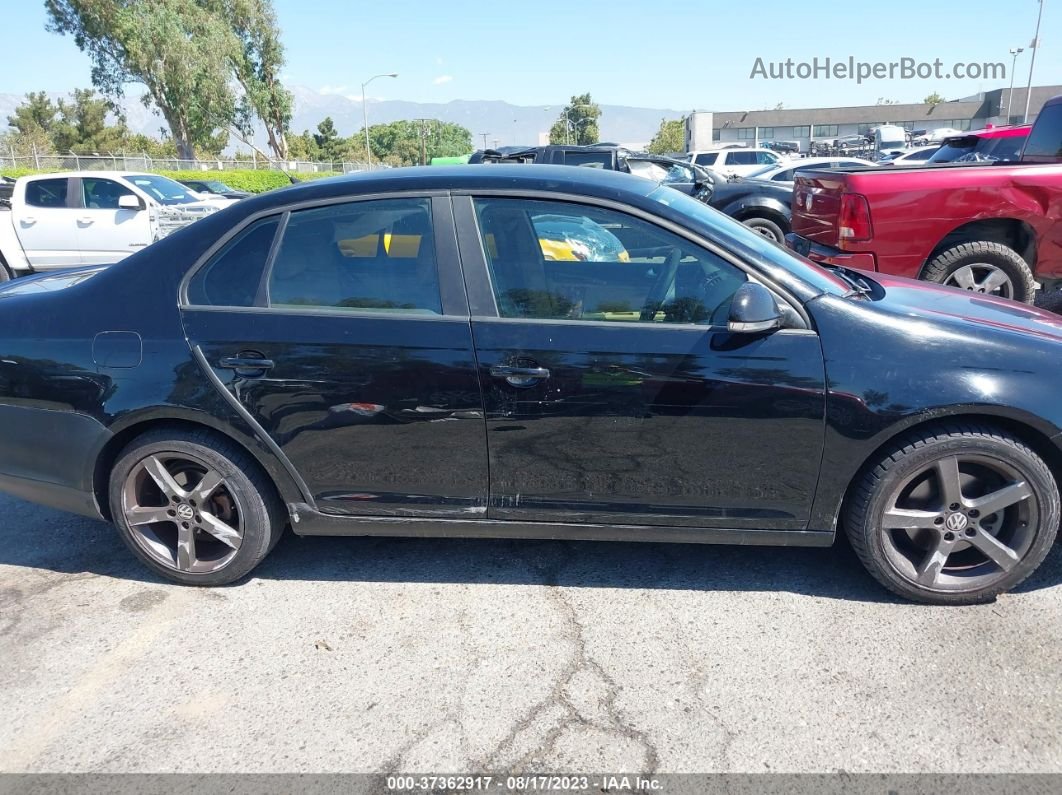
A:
(680, 55)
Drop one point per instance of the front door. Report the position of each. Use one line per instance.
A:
(350, 345)
(46, 223)
(106, 232)
(613, 392)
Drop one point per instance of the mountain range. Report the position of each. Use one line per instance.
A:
(504, 123)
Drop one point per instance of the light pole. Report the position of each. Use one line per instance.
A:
(1032, 62)
(568, 121)
(365, 116)
(1014, 53)
(484, 139)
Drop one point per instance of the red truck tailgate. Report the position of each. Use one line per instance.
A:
(816, 205)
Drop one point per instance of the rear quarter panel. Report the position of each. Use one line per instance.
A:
(913, 209)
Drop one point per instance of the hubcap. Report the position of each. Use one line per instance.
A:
(982, 278)
(960, 524)
(182, 513)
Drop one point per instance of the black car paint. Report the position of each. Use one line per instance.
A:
(755, 198)
(675, 433)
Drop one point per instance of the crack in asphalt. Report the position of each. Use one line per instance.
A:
(580, 660)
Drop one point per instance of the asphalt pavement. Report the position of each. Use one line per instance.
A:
(380, 655)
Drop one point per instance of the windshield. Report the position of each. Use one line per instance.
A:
(162, 189)
(217, 187)
(722, 227)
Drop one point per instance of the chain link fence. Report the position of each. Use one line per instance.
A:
(144, 162)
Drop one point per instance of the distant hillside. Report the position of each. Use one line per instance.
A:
(508, 124)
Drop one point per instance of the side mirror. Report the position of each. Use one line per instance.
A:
(130, 202)
(753, 310)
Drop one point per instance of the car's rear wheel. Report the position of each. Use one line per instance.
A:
(766, 227)
(954, 515)
(194, 507)
(983, 267)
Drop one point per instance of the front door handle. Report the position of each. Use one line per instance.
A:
(519, 376)
(86, 220)
(249, 366)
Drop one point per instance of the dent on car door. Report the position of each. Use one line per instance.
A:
(613, 391)
(343, 331)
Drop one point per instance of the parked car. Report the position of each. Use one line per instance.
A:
(736, 162)
(269, 367)
(786, 172)
(761, 205)
(678, 174)
(918, 155)
(850, 142)
(57, 221)
(935, 136)
(209, 188)
(784, 147)
(993, 228)
(992, 144)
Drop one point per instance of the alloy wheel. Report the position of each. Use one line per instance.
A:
(982, 278)
(961, 524)
(182, 513)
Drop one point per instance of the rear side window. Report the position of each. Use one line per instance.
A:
(706, 158)
(232, 277)
(368, 255)
(1045, 140)
(736, 158)
(46, 193)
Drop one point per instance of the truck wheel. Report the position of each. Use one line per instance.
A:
(766, 227)
(983, 267)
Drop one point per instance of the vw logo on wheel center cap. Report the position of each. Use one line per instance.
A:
(185, 512)
(957, 522)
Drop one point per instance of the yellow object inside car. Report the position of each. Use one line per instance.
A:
(395, 246)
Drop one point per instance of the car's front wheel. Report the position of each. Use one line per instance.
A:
(954, 515)
(194, 507)
(766, 227)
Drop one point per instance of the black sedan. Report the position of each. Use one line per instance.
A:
(528, 352)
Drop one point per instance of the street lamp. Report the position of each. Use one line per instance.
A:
(1014, 53)
(365, 116)
(1032, 62)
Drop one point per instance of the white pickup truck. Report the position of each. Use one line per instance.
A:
(58, 221)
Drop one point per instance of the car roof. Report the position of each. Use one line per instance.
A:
(597, 182)
(105, 174)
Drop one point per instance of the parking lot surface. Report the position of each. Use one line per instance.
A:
(382, 655)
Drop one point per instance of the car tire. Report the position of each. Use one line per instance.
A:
(5, 272)
(978, 265)
(184, 528)
(766, 227)
(954, 556)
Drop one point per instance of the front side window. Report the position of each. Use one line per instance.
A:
(102, 194)
(162, 189)
(46, 193)
(1045, 141)
(370, 255)
(563, 261)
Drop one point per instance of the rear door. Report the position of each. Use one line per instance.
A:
(107, 233)
(45, 219)
(343, 330)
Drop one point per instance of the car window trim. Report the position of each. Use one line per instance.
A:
(183, 302)
(474, 253)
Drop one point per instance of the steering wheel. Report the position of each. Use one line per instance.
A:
(658, 292)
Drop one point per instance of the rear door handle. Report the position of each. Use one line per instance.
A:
(519, 376)
(86, 220)
(246, 364)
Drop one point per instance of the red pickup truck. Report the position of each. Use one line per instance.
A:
(991, 227)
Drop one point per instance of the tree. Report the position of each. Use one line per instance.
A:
(82, 125)
(934, 99)
(402, 143)
(256, 64)
(671, 137)
(36, 114)
(304, 147)
(577, 123)
(328, 142)
(178, 49)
